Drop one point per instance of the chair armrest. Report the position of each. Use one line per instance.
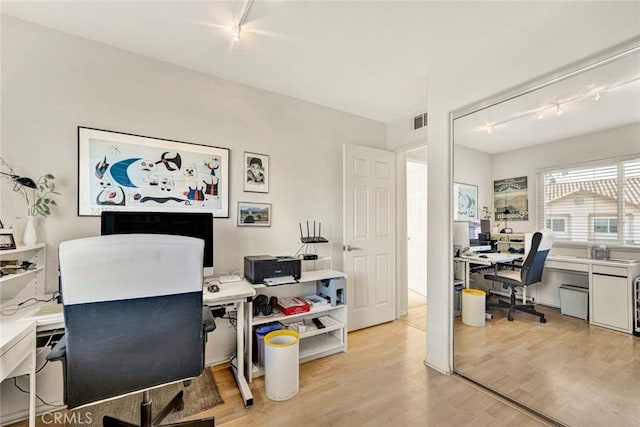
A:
(208, 322)
(59, 351)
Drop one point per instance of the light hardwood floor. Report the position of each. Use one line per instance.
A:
(579, 374)
(380, 381)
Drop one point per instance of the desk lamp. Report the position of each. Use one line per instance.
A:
(21, 180)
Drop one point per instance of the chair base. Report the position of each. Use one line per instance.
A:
(512, 306)
(146, 419)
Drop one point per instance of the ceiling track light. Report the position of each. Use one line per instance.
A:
(237, 29)
(558, 106)
(559, 109)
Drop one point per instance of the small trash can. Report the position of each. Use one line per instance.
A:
(473, 307)
(281, 364)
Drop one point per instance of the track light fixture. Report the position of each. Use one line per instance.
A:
(237, 29)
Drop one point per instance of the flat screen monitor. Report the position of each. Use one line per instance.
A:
(465, 233)
(199, 225)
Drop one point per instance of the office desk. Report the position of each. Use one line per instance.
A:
(18, 356)
(237, 294)
(491, 259)
(610, 284)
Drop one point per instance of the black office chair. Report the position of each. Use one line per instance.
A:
(527, 274)
(134, 319)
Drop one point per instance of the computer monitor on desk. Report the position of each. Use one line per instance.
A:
(465, 236)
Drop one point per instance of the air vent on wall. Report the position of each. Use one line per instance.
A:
(420, 121)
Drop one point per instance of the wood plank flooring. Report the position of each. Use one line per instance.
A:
(381, 380)
(578, 374)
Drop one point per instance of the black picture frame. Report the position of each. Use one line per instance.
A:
(7, 241)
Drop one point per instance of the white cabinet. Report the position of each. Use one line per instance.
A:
(24, 283)
(314, 342)
(611, 301)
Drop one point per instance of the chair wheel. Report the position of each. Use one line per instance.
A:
(543, 320)
(510, 318)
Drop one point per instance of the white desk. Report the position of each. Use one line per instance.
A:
(235, 293)
(610, 284)
(18, 356)
(484, 259)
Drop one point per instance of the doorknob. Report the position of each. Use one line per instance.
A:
(350, 248)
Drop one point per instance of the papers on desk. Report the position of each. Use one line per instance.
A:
(275, 281)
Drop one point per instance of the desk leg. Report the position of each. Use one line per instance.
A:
(238, 371)
(32, 389)
(467, 275)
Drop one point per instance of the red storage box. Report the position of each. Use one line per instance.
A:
(293, 305)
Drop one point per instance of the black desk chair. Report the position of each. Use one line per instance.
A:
(134, 318)
(527, 274)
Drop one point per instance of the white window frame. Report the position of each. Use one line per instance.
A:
(624, 232)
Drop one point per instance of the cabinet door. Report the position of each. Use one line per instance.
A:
(610, 301)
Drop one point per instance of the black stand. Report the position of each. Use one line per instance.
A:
(147, 420)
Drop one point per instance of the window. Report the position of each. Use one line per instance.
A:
(591, 203)
(557, 225)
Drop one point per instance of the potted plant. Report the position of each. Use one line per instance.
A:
(37, 194)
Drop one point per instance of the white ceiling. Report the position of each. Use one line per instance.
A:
(516, 123)
(370, 58)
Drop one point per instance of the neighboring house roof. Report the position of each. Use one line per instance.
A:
(601, 187)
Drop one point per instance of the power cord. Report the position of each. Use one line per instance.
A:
(53, 405)
(11, 309)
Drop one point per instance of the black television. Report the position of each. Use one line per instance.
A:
(199, 225)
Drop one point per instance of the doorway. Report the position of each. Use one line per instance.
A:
(416, 217)
(417, 223)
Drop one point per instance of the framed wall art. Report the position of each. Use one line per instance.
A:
(511, 199)
(465, 197)
(254, 214)
(256, 176)
(121, 171)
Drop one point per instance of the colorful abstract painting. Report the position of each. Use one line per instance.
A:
(119, 171)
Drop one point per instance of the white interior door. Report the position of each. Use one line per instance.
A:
(369, 235)
(417, 227)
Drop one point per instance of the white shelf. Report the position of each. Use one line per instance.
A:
(21, 249)
(277, 316)
(314, 343)
(9, 277)
(319, 344)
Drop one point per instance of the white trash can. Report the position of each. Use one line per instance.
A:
(281, 364)
(473, 307)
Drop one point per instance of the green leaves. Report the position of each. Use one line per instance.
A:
(42, 195)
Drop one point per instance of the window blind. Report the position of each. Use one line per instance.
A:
(598, 203)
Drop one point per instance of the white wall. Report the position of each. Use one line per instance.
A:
(617, 142)
(474, 167)
(53, 82)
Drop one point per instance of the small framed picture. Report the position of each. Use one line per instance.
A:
(256, 175)
(254, 214)
(6, 240)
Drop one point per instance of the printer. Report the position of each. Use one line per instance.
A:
(260, 268)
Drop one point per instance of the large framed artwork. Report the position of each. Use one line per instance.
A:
(511, 199)
(120, 171)
(465, 197)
